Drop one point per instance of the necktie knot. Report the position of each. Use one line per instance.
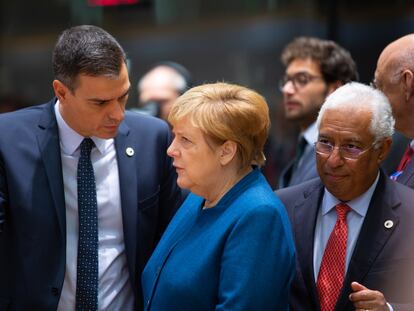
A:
(86, 146)
(342, 210)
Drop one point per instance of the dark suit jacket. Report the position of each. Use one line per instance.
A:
(383, 259)
(407, 177)
(305, 171)
(32, 202)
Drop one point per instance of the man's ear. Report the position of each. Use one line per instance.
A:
(333, 86)
(61, 91)
(227, 151)
(384, 149)
(407, 78)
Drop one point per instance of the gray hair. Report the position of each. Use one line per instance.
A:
(88, 50)
(356, 95)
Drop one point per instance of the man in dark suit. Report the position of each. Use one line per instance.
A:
(394, 76)
(86, 190)
(351, 225)
(314, 69)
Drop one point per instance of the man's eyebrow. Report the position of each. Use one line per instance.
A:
(109, 99)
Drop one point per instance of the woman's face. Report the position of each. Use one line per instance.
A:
(197, 162)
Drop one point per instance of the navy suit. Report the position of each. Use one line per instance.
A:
(383, 259)
(32, 202)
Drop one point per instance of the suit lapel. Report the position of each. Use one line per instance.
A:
(372, 237)
(49, 146)
(306, 211)
(128, 191)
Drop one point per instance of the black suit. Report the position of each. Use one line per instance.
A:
(383, 259)
(32, 202)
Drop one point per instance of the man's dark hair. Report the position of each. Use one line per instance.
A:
(88, 50)
(336, 63)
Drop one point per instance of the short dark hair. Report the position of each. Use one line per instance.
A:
(336, 63)
(88, 50)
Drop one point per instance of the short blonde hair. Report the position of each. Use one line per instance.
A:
(224, 111)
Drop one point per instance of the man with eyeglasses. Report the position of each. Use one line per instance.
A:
(350, 224)
(394, 76)
(314, 69)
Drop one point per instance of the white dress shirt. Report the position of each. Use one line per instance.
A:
(114, 288)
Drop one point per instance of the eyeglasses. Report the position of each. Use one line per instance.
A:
(348, 152)
(299, 80)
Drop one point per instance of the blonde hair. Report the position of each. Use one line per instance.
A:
(224, 111)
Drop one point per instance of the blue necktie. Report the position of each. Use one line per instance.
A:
(87, 269)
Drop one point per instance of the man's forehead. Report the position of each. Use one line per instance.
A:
(352, 117)
(303, 64)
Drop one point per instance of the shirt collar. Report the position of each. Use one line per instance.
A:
(359, 205)
(70, 139)
(311, 134)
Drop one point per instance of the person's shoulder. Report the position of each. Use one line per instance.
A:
(25, 117)
(299, 189)
(404, 193)
(258, 197)
(24, 112)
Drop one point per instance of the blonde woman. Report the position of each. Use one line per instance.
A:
(229, 247)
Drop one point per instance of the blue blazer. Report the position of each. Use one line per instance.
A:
(238, 255)
(383, 258)
(32, 202)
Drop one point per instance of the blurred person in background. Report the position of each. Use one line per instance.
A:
(314, 69)
(80, 210)
(351, 225)
(229, 247)
(394, 76)
(160, 87)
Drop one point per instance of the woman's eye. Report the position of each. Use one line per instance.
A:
(185, 140)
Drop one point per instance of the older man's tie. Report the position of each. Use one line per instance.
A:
(87, 266)
(332, 269)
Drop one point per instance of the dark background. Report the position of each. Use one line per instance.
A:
(237, 41)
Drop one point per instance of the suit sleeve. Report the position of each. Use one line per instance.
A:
(258, 263)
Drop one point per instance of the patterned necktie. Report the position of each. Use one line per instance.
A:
(332, 270)
(87, 268)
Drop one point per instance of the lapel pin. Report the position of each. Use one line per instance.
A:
(129, 151)
(388, 224)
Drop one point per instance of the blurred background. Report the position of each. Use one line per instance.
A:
(238, 41)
